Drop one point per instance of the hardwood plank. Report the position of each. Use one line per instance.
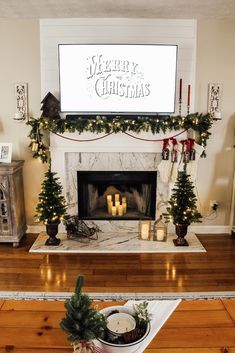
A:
(33, 305)
(200, 305)
(187, 272)
(201, 318)
(194, 337)
(230, 307)
(11, 348)
(22, 337)
(191, 350)
(1, 304)
(43, 319)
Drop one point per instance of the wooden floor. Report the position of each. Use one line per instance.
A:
(121, 273)
(201, 326)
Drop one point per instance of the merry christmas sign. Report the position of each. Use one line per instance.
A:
(117, 78)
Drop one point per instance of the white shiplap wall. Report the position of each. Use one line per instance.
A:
(118, 31)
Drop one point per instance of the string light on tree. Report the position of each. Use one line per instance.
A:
(51, 207)
(182, 207)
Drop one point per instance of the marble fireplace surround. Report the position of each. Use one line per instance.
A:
(116, 152)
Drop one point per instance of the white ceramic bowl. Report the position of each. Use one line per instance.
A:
(122, 348)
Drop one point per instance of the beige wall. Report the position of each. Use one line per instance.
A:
(20, 62)
(216, 63)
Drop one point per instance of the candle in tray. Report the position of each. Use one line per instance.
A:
(160, 234)
(124, 207)
(120, 210)
(144, 231)
(114, 210)
(116, 197)
(120, 323)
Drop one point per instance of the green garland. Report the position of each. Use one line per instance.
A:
(41, 127)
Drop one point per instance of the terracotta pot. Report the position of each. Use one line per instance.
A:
(52, 230)
(181, 231)
(122, 348)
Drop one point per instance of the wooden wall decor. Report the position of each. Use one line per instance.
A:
(214, 99)
(21, 93)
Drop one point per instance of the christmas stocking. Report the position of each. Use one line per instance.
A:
(195, 153)
(175, 160)
(164, 167)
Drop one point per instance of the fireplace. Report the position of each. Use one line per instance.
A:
(136, 189)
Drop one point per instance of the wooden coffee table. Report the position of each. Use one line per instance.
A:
(196, 326)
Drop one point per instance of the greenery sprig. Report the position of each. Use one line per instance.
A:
(142, 315)
(200, 123)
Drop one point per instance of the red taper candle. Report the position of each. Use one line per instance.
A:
(189, 87)
(180, 94)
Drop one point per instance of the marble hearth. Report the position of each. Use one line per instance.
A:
(113, 153)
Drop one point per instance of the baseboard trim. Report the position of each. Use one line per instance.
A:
(118, 296)
(205, 229)
(200, 229)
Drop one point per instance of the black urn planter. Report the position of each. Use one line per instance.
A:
(181, 231)
(52, 230)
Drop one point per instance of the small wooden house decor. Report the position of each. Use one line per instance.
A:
(50, 106)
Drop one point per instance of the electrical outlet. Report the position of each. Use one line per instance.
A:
(214, 204)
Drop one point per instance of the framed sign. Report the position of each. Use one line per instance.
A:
(5, 152)
(117, 78)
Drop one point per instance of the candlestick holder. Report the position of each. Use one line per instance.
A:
(180, 106)
(188, 109)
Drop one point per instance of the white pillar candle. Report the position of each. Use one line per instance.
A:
(109, 198)
(120, 323)
(217, 115)
(114, 211)
(124, 199)
(160, 234)
(117, 203)
(116, 197)
(145, 231)
(124, 206)
(110, 205)
(120, 210)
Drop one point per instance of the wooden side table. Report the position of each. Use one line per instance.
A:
(232, 214)
(12, 211)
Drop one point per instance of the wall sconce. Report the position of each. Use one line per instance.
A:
(214, 100)
(21, 94)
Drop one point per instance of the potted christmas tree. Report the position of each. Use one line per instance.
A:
(83, 322)
(183, 209)
(51, 208)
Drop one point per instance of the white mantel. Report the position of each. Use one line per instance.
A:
(114, 152)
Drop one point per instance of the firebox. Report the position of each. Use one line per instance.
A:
(116, 195)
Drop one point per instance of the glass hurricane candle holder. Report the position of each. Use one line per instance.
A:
(144, 230)
(159, 230)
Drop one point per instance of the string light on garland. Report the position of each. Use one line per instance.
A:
(101, 124)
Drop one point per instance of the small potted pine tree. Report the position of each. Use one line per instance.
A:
(51, 208)
(83, 322)
(183, 209)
